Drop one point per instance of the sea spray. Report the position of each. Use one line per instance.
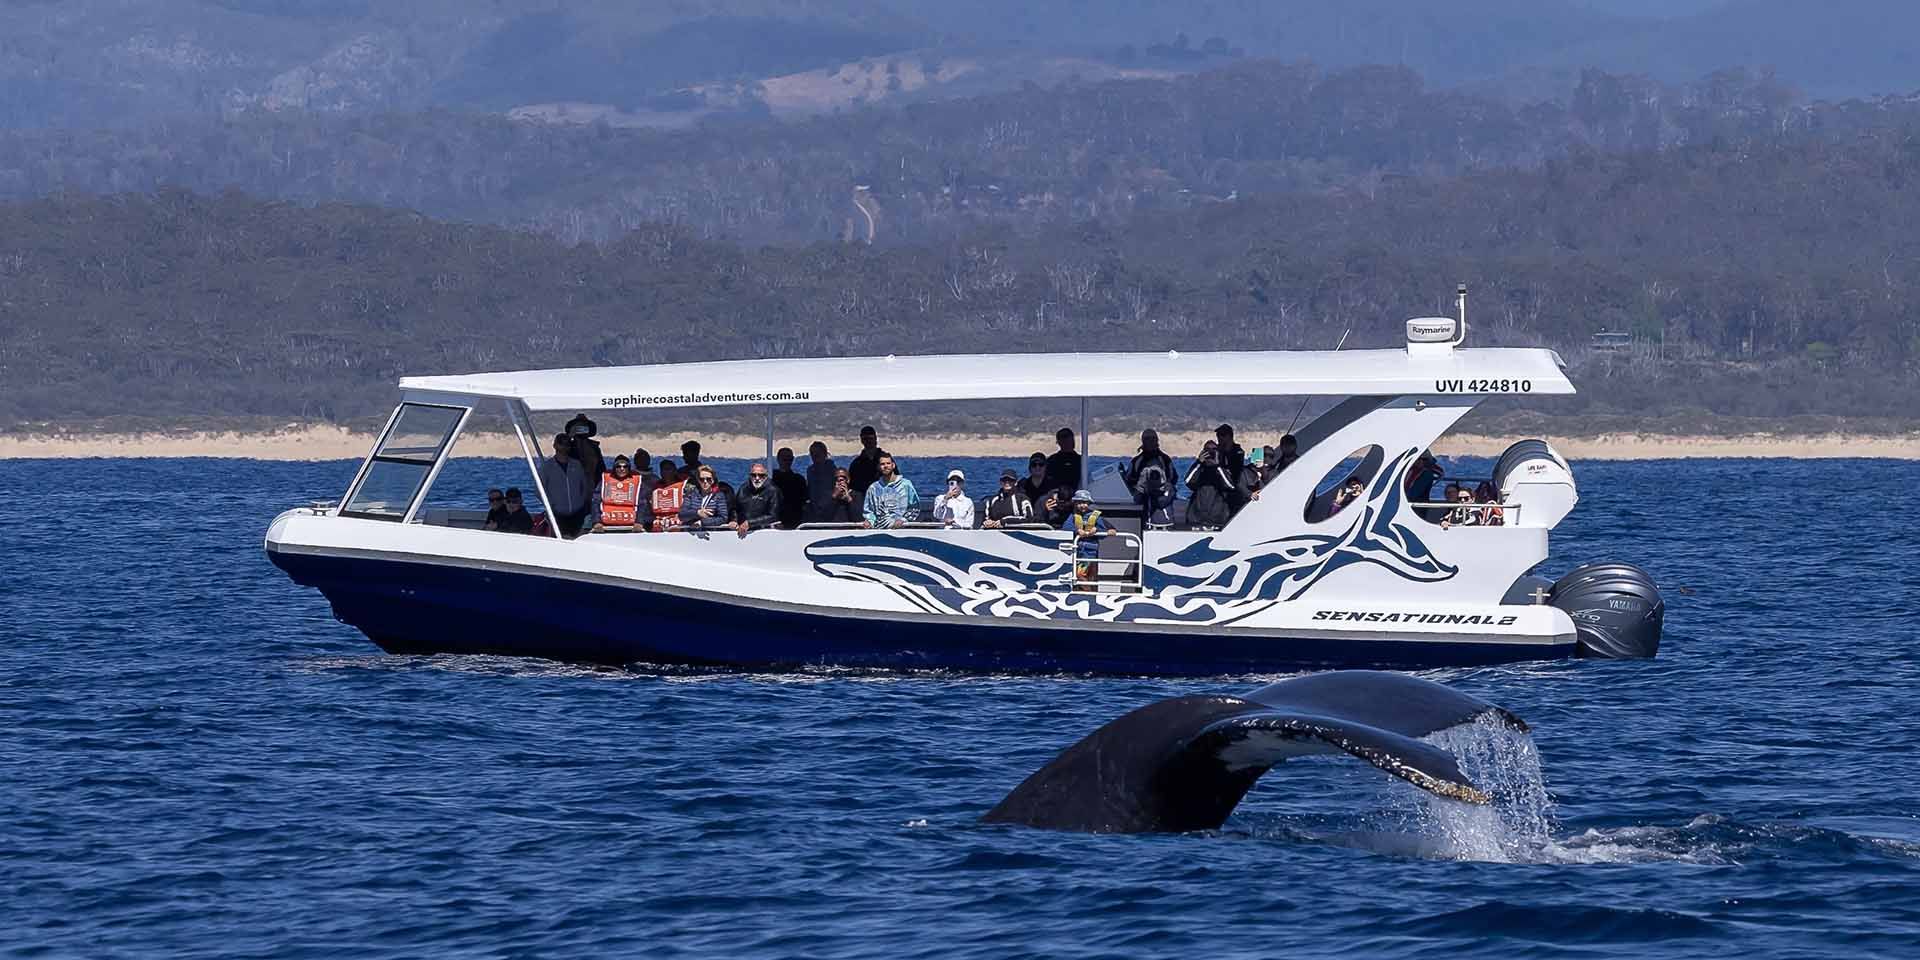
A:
(1516, 827)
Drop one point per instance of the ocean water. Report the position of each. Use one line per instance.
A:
(197, 760)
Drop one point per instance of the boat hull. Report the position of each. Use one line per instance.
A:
(419, 607)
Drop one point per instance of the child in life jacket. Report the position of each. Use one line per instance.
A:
(1087, 526)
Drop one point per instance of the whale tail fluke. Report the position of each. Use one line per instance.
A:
(1184, 763)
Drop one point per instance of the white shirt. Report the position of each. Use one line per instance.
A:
(954, 510)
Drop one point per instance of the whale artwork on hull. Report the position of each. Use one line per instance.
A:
(1184, 763)
(1343, 560)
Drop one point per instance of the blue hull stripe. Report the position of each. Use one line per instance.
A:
(410, 607)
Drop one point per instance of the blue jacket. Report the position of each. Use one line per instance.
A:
(890, 502)
(715, 500)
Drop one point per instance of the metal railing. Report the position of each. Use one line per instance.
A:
(1131, 582)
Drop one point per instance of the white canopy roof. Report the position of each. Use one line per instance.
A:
(1018, 375)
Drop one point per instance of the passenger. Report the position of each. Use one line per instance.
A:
(840, 506)
(1087, 526)
(705, 508)
(690, 460)
(1490, 516)
(792, 487)
(690, 470)
(1252, 478)
(891, 500)
(1009, 506)
(759, 507)
(1233, 459)
(1353, 490)
(1463, 515)
(616, 503)
(1035, 489)
(667, 499)
(568, 488)
(496, 509)
(643, 468)
(1421, 477)
(954, 509)
(865, 467)
(1064, 467)
(585, 448)
(514, 518)
(821, 472)
(1150, 476)
(1289, 452)
(1208, 491)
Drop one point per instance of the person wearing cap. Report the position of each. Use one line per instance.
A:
(585, 448)
(1009, 505)
(616, 501)
(1048, 506)
(1087, 526)
(891, 501)
(1149, 475)
(954, 509)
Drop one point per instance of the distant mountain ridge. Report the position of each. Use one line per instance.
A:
(99, 63)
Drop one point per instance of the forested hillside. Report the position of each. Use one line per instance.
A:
(1030, 159)
(1762, 280)
(84, 64)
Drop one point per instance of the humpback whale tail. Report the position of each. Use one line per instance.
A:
(1184, 763)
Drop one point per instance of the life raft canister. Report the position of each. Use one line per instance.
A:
(666, 506)
(619, 499)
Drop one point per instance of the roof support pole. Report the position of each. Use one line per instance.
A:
(523, 428)
(1086, 444)
(769, 439)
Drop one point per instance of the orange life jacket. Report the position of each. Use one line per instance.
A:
(666, 506)
(618, 498)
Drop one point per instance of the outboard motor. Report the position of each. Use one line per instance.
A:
(1532, 476)
(1617, 611)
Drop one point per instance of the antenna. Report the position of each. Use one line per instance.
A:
(1303, 403)
(1460, 302)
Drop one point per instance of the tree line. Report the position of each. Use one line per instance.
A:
(1752, 278)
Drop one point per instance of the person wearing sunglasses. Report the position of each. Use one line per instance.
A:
(705, 507)
(514, 516)
(759, 502)
(496, 509)
(1009, 505)
(1463, 515)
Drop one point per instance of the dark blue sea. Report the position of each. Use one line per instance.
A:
(196, 759)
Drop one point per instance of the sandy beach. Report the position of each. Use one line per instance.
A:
(337, 443)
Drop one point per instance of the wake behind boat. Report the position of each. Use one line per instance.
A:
(1302, 577)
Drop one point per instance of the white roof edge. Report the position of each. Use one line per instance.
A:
(1388, 372)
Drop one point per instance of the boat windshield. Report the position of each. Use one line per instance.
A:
(403, 462)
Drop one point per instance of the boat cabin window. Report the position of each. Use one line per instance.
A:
(393, 478)
(1362, 464)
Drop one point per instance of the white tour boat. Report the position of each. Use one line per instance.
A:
(1287, 584)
